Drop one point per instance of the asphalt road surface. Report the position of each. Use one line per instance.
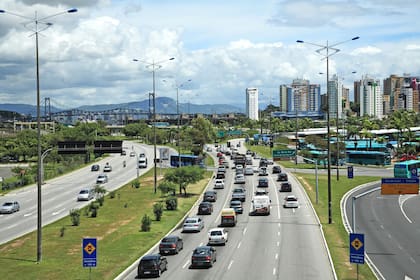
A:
(59, 195)
(287, 244)
(390, 224)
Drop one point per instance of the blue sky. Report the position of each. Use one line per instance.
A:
(222, 46)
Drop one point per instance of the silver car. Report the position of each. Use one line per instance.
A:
(9, 207)
(102, 179)
(193, 224)
(290, 201)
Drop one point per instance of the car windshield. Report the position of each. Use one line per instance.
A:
(8, 204)
(238, 190)
(216, 233)
(84, 191)
(192, 221)
(291, 199)
(235, 203)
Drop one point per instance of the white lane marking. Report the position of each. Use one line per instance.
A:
(274, 271)
(401, 201)
(278, 243)
(11, 226)
(277, 256)
(278, 224)
(185, 265)
(244, 231)
(230, 264)
(201, 244)
(413, 260)
(58, 212)
(407, 278)
(239, 245)
(382, 227)
(28, 214)
(294, 210)
(278, 233)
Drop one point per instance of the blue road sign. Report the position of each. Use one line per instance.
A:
(89, 250)
(350, 172)
(414, 172)
(357, 248)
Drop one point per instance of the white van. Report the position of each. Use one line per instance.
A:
(261, 205)
(143, 162)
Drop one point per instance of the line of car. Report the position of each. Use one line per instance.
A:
(206, 255)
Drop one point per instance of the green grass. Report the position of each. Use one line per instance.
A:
(117, 228)
(335, 233)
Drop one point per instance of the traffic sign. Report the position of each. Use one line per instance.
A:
(400, 186)
(283, 154)
(413, 172)
(89, 250)
(357, 248)
(350, 172)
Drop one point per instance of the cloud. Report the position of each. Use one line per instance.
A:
(369, 50)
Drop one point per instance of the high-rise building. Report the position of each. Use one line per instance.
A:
(403, 92)
(371, 98)
(252, 103)
(284, 92)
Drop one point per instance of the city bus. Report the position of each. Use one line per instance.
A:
(368, 157)
(186, 160)
(405, 169)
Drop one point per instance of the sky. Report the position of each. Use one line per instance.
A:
(219, 48)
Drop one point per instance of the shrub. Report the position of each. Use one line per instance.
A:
(62, 230)
(146, 223)
(75, 217)
(93, 209)
(158, 210)
(112, 194)
(136, 184)
(101, 200)
(171, 203)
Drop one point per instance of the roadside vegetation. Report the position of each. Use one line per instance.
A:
(118, 226)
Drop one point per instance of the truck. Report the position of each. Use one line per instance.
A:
(228, 217)
(261, 205)
(239, 159)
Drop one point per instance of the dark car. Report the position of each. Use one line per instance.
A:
(237, 206)
(210, 196)
(286, 187)
(151, 265)
(203, 256)
(276, 169)
(262, 183)
(95, 167)
(205, 208)
(171, 244)
(123, 153)
(220, 175)
(282, 177)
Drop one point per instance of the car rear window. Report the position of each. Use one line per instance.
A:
(147, 263)
(215, 233)
(169, 239)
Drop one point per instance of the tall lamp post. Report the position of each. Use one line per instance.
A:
(37, 25)
(324, 50)
(178, 86)
(154, 65)
(337, 120)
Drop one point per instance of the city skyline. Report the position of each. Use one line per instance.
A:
(86, 58)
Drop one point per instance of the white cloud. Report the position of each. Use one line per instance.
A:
(368, 50)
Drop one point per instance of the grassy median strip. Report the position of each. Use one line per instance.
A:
(117, 229)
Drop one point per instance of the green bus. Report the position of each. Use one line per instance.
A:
(407, 169)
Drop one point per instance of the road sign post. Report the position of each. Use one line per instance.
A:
(89, 251)
(399, 186)
(357, 249)
(283, 154)
(350, 173)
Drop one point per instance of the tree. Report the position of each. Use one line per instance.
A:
(183, 176)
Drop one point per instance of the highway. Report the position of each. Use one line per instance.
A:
(390, 224)
(287, 244)
(59, 194)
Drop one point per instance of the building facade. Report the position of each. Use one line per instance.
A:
(371, 97)
(252, 103)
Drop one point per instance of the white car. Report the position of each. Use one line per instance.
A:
(290, 201)
(193, 224)
(218, 236)
(107, 168)
(102, 179)
(219, 184)
(86, 194)
(240, 179)
(9, 207)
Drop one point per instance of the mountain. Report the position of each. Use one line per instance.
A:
(164, 105)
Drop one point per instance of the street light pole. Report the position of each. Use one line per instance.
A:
(155, 66)
(326, 56)
(36, 30)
